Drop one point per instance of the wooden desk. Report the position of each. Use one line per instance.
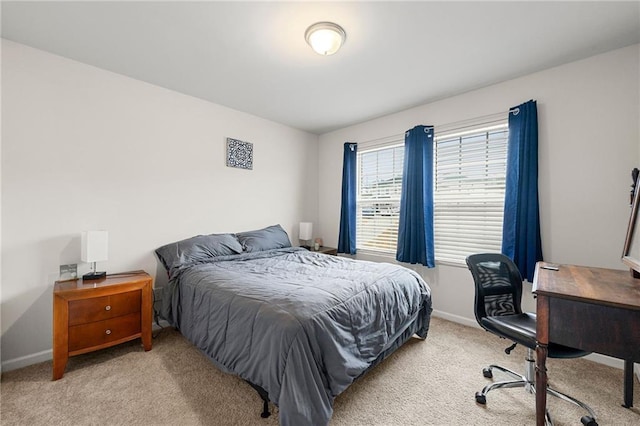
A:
(593, 309)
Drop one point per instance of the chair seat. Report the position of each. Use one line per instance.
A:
(521, 328)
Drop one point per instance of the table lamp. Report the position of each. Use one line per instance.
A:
(94, 248)
(305, 234)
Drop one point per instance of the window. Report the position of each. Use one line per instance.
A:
(469, 185)
(378, 199)
(468, 197)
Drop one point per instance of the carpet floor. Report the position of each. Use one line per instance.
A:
(429, 382)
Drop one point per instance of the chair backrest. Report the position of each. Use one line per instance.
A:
(498, 285)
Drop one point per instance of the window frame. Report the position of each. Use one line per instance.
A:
(364, 149)
(482, 207)
(495, 123)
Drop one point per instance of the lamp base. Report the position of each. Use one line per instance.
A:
(94, 276)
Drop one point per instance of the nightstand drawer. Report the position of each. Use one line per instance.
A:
(101, 308)
(101, 332)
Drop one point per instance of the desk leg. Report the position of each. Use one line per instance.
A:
(542, 337)
(541, 384)
(628, 384)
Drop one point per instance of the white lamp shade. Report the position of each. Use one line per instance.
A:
(95, 245)
(306, 230)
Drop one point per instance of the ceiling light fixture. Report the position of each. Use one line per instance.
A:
(325, 37)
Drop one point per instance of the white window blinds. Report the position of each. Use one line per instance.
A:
(378, 200)
(470, 172)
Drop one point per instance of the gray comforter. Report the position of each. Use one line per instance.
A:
(301, 325)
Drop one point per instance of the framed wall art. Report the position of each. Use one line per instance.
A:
(239, 154)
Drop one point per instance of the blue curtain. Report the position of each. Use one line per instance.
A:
(521, 228)
(415, 231)
(347, 236)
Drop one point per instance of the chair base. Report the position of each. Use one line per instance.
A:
(528, 383)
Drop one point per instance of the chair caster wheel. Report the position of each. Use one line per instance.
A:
(481, 399)
(486, 372)
(588, 421)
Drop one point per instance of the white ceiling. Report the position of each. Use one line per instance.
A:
(252, 56)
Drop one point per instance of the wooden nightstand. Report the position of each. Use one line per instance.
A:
(326, 250)
(92, 315)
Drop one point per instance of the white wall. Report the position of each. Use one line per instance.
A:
(589, 141)
(85, 149)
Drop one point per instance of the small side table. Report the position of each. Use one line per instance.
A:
(325, 250)
(96, 314)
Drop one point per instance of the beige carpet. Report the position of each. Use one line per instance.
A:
(429, 382)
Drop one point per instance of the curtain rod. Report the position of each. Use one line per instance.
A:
(457, 125)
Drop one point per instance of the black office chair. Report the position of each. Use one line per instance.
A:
(497, 307)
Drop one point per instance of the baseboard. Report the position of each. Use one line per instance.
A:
(47, 355)
(455, 318)
(162, 325)
(27, 360)
(24, 361)
(606, 360)
(601, 359)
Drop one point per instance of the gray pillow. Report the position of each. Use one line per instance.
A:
(269, 238)
(197, 249)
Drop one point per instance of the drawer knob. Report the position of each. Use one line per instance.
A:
(108, 332)
(107, 308)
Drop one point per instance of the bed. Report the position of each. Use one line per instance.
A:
(297, 325)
